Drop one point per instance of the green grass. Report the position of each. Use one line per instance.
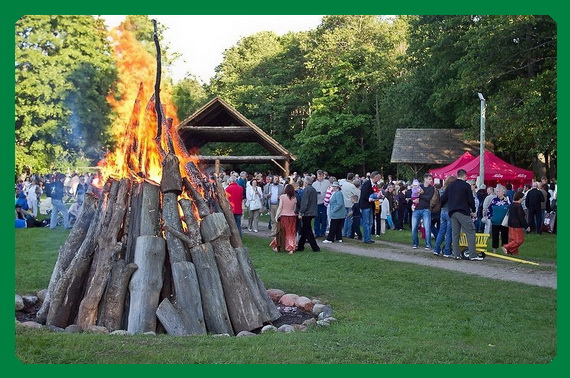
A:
(388, 312)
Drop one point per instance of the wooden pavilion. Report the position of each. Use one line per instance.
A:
(218, 121)
(422, 148)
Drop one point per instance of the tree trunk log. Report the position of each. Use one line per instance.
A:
(213, 302)
(108, 248)
(146, 284)
(171, 319)
(188, 299)
(144, 215)
(171, 180)
(214, 226)
(244, 314)
(69, 288)
(68, 251)
(171, 217)
(191, 223)
(267, 308)
(235, 238)
(113, 303)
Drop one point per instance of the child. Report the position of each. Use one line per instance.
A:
(517, 223)
(416, 191)
(355, 213)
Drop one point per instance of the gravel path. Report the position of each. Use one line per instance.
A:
(544, 275)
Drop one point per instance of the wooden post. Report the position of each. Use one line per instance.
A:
(217, 168)
(113, 302)
(188, 299)
(146, 283)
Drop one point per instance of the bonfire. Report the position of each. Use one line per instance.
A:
(156, 247)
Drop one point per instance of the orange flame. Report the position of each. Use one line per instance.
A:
(137, 154)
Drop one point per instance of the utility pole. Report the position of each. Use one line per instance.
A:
(481, 179)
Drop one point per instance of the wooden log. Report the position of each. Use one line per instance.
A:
(69, 288)
(108, 247)
(68, 250)
(243, 311)
(171, 319)
(267, 309)
(171, 218)
(193, 229)
(199, 201)
(214, 305)
(144, 215)
(113, 302)
(146, 284)
(171, 180)
(214, 226)
(188, 299)
(222, 199)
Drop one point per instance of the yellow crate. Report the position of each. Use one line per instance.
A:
(480, 241)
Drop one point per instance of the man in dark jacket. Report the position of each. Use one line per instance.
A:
(367, 207)
(308, 211)
(461, 209)
(533, 202)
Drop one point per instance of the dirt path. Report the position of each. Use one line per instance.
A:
(544, 275)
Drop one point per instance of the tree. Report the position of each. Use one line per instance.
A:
(63, 72)
(188, 95)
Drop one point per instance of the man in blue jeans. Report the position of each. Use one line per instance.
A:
(56, 193)
(321, 185)
(367, 207)
(423, 211)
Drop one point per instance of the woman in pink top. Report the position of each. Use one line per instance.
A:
(286, 215)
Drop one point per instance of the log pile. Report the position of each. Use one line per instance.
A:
(165, 257)
(146, 257)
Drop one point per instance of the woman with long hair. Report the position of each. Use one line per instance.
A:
(444, 234)
(286, 215)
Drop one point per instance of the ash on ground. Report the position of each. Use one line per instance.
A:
(291, 315)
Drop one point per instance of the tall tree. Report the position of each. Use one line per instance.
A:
(63, 72)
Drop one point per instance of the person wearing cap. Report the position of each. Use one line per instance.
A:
(337, 213)
(57, 192)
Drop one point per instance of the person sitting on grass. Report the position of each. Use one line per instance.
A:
(25, 219)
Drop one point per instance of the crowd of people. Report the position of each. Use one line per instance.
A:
(50, 195)
(304, 208)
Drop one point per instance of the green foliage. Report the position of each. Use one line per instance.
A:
(188, 96)
(63, 72)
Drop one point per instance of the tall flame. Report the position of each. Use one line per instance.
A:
(135, 127)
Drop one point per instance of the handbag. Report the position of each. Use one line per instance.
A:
(255, 204)
(505, 222)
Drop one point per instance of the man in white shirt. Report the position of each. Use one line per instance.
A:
(321, 185)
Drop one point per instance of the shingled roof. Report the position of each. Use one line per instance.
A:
(432, 146)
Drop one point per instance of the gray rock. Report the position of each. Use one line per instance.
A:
(35, 325)
(299, 327)
(120, 332)
(286, 328)
(150, 333)
(330, 319)
(327, 311)
(30, 300)
(318, 308)
(322, 323)
(53, 328)
(245, 334)
(221, 335)
(97, 329)
(317, 301)
(321, 316)
(42, 295)
(310, 322)
(19, 303)
(73, 328)
(269, 328)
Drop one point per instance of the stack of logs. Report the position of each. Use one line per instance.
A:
(133, 262)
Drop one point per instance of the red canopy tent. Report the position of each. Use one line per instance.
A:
(451, 169)
(497, 171)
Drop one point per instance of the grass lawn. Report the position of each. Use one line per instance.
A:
(388, 312)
